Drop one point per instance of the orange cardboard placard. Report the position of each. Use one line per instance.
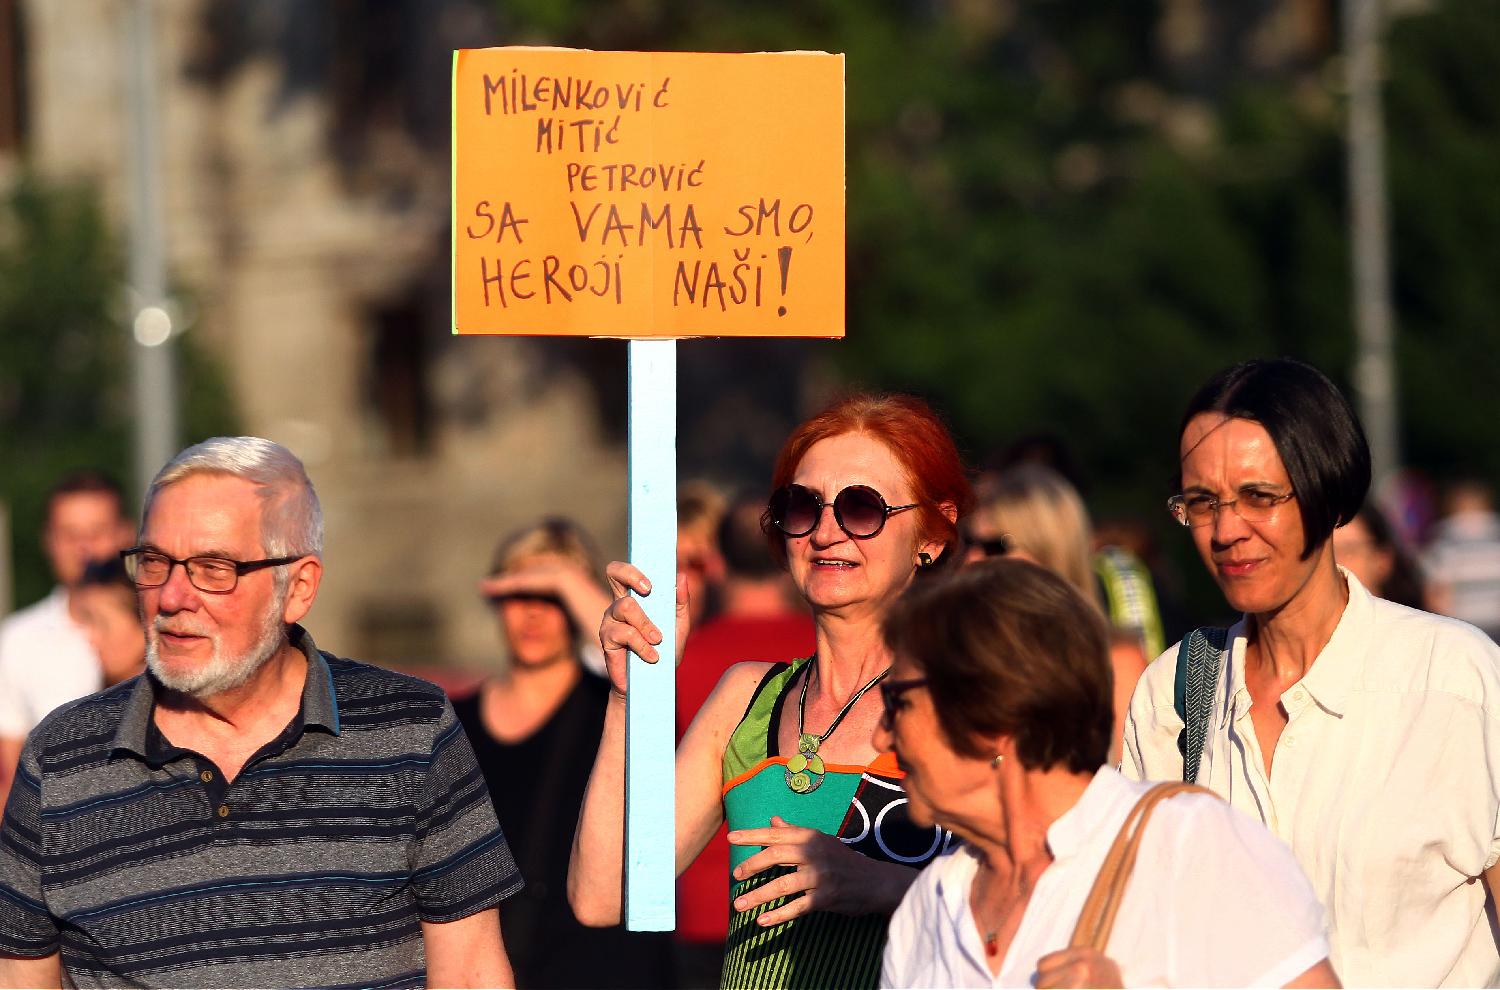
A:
(648, 194)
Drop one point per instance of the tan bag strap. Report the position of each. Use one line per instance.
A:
(1098, 916)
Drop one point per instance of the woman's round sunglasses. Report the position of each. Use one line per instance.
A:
(859, 510)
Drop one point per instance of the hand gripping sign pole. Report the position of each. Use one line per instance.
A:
(652, 196)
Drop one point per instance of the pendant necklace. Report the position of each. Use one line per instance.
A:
(804, 771)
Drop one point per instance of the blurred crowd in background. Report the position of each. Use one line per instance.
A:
(539, 711)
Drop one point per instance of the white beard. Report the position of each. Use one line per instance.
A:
(220, 673)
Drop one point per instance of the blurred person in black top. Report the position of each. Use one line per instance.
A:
(535, 729)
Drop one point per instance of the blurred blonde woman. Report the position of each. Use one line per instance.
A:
(1032, 513)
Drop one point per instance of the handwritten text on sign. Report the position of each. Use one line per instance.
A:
(635, 194)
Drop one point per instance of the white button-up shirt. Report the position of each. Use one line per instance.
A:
(45, 661)
(1385, 783)
(1214, 900)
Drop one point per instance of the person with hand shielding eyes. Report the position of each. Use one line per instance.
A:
(1365, 734)
(534, 727)
(865, 495)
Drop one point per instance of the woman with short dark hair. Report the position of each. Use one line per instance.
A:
(1365, 734)
(999, 709)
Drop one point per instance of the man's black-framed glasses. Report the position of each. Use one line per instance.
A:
(890, 697)
(150, 568)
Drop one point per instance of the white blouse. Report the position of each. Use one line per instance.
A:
(1385, 783)
(1214, 901)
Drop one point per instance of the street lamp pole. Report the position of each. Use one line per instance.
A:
(1374, 364)
(154, 383)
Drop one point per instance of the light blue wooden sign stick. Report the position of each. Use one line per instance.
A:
(650, 723)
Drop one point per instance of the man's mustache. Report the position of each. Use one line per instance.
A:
(178, 626)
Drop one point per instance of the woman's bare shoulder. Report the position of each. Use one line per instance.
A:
(740, 680)
(725, 707)
(726, 704)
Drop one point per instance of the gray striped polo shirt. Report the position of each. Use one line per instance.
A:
(315, 867)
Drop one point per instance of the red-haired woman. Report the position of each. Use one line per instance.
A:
(822, 847)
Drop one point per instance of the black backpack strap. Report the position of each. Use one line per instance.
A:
(1200, 659)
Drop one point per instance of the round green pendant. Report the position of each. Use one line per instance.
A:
(804, 771)
(803, 782)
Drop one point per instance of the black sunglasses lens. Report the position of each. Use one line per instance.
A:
(860, 510)
(794, 510)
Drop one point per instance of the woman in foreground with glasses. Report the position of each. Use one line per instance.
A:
(866, 495)
(999, 706)
(1363, 733)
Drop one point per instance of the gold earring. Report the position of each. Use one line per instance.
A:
(996, 761)
(924, 559)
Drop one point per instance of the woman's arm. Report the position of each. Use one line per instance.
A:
(469, 952)
(596, 870)
(1128, 661)
(20, 971)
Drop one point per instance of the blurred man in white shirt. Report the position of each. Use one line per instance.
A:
(45, 656)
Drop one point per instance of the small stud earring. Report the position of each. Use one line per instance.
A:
(924, 559)
(996, 761)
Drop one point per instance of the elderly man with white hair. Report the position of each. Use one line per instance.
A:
(252, 811)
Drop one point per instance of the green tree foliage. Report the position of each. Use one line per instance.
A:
(1443, 119)
(64, 363)
(1056, 223)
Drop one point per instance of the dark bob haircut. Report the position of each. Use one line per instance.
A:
(1011, 649)
(1315, 431)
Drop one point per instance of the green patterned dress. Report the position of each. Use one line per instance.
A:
(863, 805)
